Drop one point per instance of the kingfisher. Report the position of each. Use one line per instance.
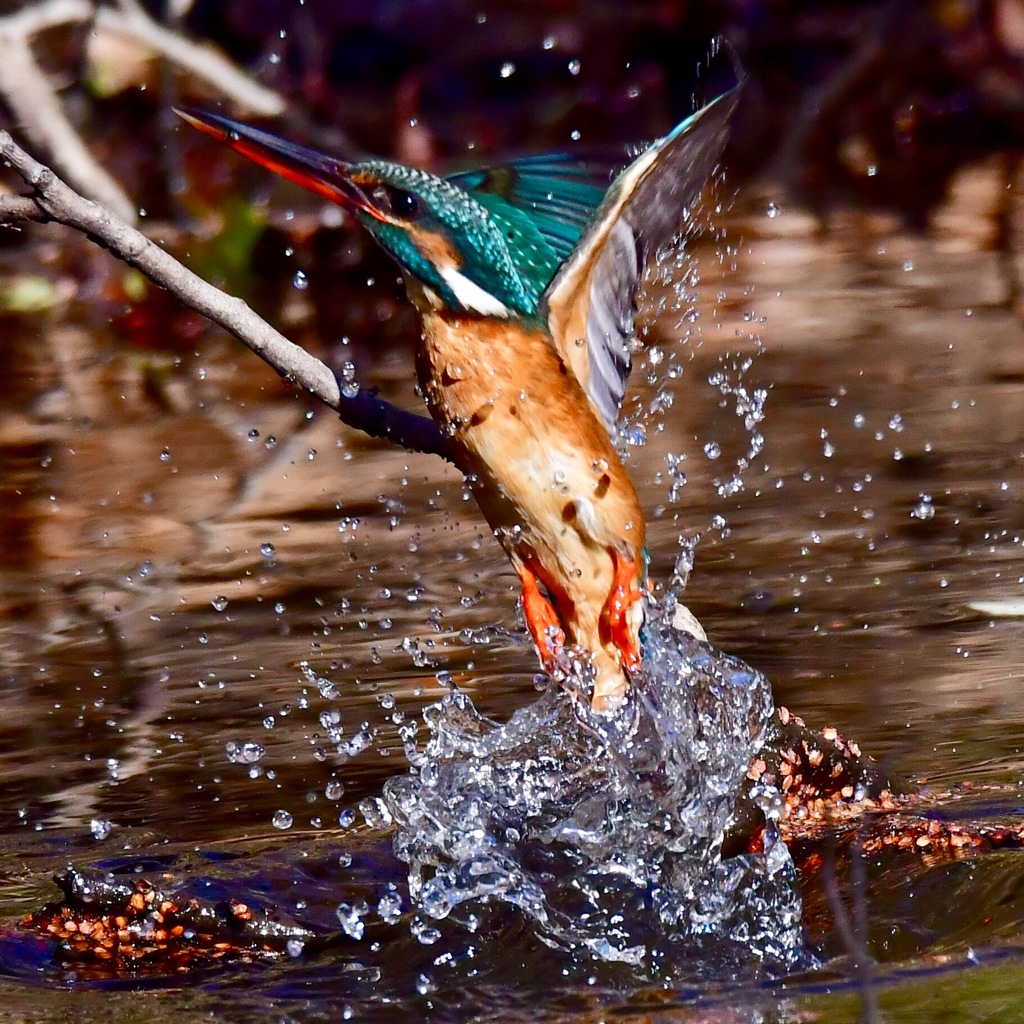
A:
(526, 277)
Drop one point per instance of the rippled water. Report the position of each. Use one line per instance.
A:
(179, 536)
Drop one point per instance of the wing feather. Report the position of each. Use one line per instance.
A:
(554, 195)
(590, 304)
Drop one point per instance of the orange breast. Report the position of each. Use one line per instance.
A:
(541, 465)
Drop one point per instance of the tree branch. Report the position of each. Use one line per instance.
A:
(32, 100)
(16, 209)
(129, 19)
(33, 19)
(56, 201)
(374, 416)
(35, 106)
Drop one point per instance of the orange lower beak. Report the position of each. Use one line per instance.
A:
(325, 175)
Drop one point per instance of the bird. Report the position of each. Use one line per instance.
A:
(526, 278)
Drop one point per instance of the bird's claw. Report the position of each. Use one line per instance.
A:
(541, 619)
(623, 631)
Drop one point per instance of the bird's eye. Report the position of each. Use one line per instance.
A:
(406, 205)
(397, 202)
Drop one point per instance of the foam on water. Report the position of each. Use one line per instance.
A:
(606, 830)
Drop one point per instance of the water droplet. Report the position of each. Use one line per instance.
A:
(924, 509)
(250, 752)
(267, 549)
(773, 210)
(574, 67)
(424, 933)
(389, 907)
(351, 917)
(347, 379)
(508, 69)
(713, 450)
(636, 435)
(100, 828)
(282, 820)
(165, 455)
(375, 813)
(219, 603)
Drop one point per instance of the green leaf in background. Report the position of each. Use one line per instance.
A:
(225, 257)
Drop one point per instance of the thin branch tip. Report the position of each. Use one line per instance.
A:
(55, 200)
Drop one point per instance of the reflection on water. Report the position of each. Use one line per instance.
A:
(179, 535)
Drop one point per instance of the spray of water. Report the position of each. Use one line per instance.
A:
(606, 830)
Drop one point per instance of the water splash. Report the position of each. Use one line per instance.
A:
(606, 830)
(672, 330)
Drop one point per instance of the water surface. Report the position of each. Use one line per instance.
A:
(179, 534)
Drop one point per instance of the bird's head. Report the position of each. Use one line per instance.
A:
(464, 257)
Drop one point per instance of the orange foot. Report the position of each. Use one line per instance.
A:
(540, 618)
(625, 593)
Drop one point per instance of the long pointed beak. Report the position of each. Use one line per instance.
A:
(320, 173)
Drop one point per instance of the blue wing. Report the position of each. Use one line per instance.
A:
(549, 200)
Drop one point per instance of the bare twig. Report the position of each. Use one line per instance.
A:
(35, 18)
(37, 109)
(16, 209)
(32, 100)
(363, 410)
(1005, 231)
(853, 929)
(870, 47)
(129, 19)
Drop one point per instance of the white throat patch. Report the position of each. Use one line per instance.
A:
(471, 296)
